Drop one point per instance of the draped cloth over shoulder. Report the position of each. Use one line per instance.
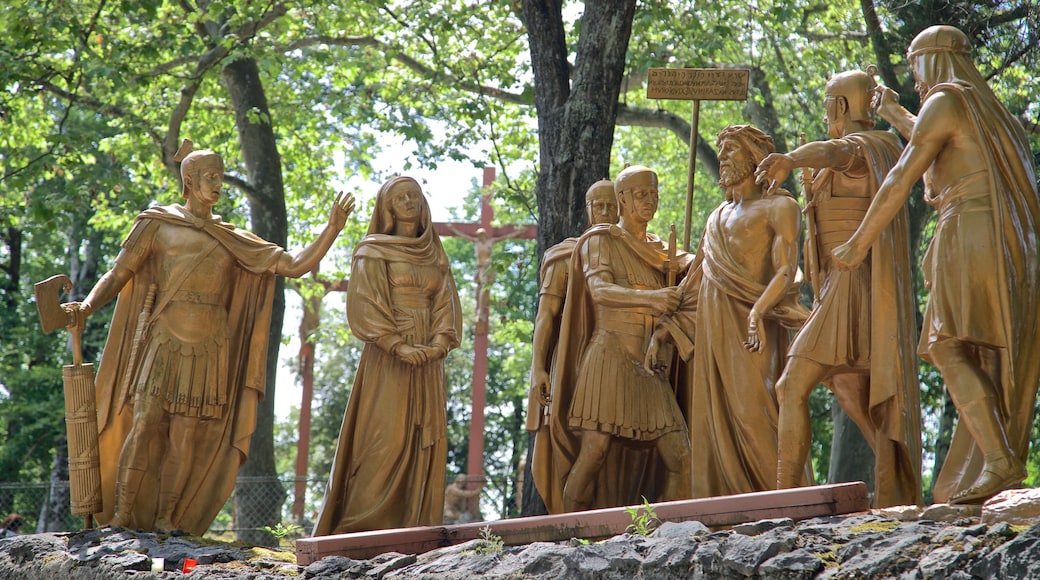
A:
(1014, 224)
(732, 409)
(222, 443)
(864, 323)
(390, 464)
(894, 391)
(632, 467)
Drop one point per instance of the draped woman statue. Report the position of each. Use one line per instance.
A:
(389, 469)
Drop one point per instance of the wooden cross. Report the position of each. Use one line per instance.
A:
(483, 235)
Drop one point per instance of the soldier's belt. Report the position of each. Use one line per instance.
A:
(192, 297)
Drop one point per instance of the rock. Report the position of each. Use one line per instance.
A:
(669, 557)
(540, 560)
(944, 512)
(881, 549)
(1015, 506)
(903, 513)
(681, 530)
(756, 528)
(331, 567)
(864, 545)
(743, 554)
(1017, 558)
(796, 565)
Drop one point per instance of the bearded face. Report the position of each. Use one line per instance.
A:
(735, 169)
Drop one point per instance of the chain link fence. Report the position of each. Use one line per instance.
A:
(45, 508)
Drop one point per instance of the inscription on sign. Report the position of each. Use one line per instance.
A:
(701, 84)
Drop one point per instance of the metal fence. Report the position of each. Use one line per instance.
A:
(45, 507)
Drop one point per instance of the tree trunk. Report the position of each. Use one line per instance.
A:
(577, 110)
(942, 441)
(852, 459)
(56, 508)
(259, 495)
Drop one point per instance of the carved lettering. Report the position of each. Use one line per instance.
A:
(704, 84)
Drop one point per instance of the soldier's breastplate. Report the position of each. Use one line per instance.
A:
(629, 326)
(196, 312)
(842, 201)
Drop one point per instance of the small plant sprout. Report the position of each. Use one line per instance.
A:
(644, 519)
(490, 543)
(283, 532)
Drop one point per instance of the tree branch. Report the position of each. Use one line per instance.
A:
(245, 33)
(49, 152)
(169, 66)
(663, 119)
(409, 63)
(882, 50)
(101, 107)
(241, 183)
(173, 128)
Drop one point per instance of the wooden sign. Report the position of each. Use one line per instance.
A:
(698, 84)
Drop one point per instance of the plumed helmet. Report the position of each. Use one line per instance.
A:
(635, 177)
(857, 88)
(939, 38)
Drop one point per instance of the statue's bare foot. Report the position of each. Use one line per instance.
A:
(118, 521)
(995, 478)
(164, 525)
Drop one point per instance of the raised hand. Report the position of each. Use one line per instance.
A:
(341, 210)
(773, 170)
(886, 102)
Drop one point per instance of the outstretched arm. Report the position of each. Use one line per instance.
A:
(308, 258)
(774, 169)
(939, 118)
(604, 291)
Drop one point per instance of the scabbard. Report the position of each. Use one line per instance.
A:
(126, 390)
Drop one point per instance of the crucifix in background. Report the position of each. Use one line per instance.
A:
(484, 236)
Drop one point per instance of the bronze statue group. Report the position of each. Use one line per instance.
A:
(656, 373)
(740, 356)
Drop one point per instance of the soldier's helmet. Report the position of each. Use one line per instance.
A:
(635, 177)
(857, 88)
